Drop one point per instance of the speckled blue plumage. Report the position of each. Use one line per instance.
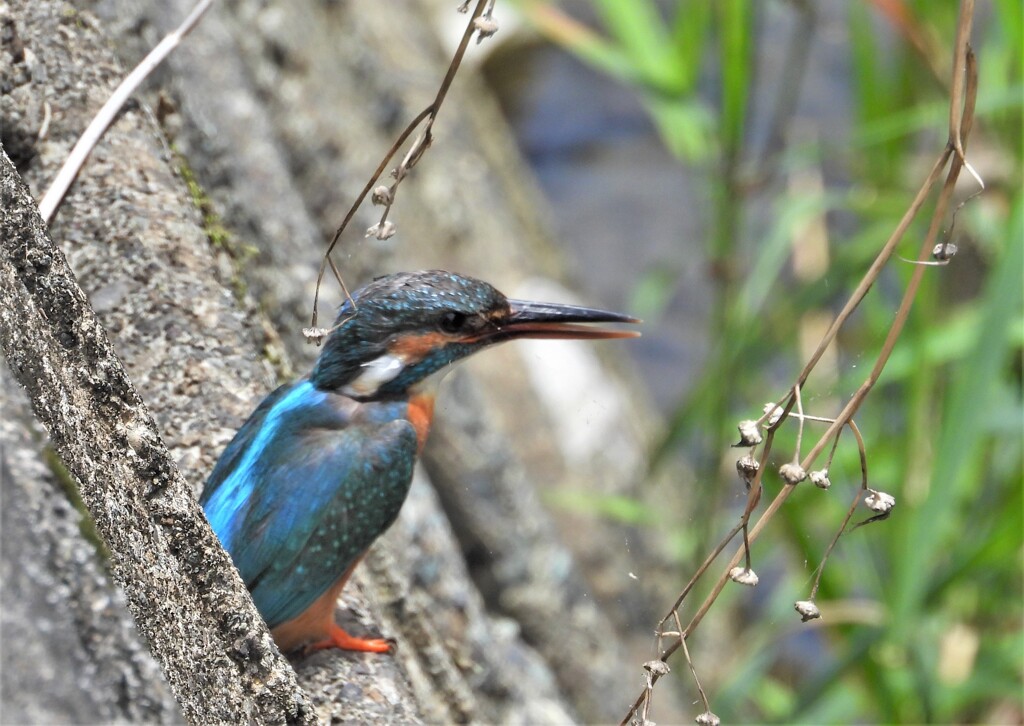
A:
(323, 465)
(304, 488)
(398, 304)
(314, 476)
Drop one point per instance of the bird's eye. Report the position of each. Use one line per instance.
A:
(452, 322)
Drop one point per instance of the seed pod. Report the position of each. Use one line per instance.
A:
(743, 576)
(776, 413)
(381, 196)
(746, 467)
(792, 473)
(807, 609)
(820, 479)
(382, 230)
(944, 251)
(750, 434)
(657, 667)
(879, 501)
(486, 26)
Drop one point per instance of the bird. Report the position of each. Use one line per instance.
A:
(321, 467)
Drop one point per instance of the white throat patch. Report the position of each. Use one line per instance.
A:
(375, 374)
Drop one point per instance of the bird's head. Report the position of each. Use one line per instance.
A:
(400, 329)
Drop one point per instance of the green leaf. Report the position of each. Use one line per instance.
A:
(653, 292)
(690, 30)
(640, 31)
(616, 507)
(734, 28)
(686, 127)
(930, 528)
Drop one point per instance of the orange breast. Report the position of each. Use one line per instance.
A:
(421, 413)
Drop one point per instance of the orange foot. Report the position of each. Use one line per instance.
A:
(338, 638)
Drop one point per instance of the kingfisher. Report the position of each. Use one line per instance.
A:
(322, 466)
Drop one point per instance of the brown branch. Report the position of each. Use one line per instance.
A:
(962, 102)
(961, 76)
(429, 114)
(184, 593)
(106, 115)
(849, 512)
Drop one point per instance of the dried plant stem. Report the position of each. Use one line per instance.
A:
(961, 74)
(693, 672)
(106, 115)
(799, 422)
(849, 512)
(876, 267)
(835, 445)
(941, 206)
(355, 205)
(855, 401)
(697, 575)
(962, 101)
(428, 115)
(832, 431)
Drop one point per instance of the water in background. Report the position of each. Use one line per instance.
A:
(624, 204)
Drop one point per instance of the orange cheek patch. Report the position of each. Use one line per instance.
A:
(415, 347)
(421, 413)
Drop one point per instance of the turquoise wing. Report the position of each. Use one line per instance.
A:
(303, 498)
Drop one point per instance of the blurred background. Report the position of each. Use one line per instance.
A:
(727, 171)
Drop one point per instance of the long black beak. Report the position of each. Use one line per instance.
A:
(554, 320)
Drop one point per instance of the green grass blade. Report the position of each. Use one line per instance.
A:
(927, 530)
(690, 30)
(640, 31)
(734, 27)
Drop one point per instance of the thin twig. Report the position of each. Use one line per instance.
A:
(753, 496)
(693, 672)
(876, 267)
(853, 507)
(106, 115)
(960, 52)
(963, 97)
(429, 114)
(44, 127)
(832, 452)
(910, 294)
(355, 206)
(702, 569)
(799, 422)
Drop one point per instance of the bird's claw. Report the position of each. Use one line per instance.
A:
(338, 638)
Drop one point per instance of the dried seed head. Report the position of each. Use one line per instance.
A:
(381, 196)
(807, 609)
(776, 413)
(486, 26)
(750, 434)
(820, 479)
(708, 719)
(879, 501)
(315, 335)
(657, 667)
(792, 473)
(944, 251)
(382, 230)
(746, 467)
(743, 576)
